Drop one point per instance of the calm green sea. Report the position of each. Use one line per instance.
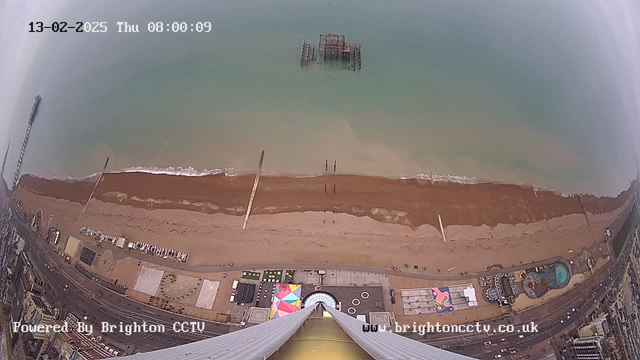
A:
(508, 91)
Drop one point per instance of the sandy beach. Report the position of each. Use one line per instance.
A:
(409, 202)
(377, 222)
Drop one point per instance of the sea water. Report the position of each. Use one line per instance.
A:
(519, 92)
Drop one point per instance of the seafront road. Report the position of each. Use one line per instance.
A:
(114, 307)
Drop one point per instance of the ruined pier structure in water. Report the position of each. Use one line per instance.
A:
(332, 47)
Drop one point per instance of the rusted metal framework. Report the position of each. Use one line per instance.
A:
(307, 54)
(356, 57)
(332, 47)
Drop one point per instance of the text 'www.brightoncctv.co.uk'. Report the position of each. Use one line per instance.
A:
(428, 328)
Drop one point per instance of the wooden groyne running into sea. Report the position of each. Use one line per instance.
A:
(253, 192)
(96, 185)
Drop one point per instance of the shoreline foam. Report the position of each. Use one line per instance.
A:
(193, 172)
(409, 202)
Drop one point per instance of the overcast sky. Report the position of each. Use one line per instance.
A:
(18, 49)
(622, 17)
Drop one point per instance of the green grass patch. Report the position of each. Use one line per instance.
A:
(251, 275)
(272, 276)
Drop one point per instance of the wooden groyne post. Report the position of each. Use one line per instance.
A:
(586, 217)
(253, 192)
(444, 237)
